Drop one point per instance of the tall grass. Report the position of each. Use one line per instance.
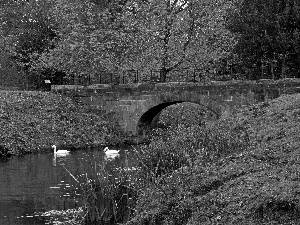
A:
(170, 164)
(109, 196)
(187, 146)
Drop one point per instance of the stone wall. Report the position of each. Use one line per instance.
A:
(139, 104)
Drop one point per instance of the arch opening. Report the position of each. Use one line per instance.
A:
(149, 120)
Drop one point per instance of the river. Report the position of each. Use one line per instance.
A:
(36, 183)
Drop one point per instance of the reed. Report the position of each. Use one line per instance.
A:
(108, 195)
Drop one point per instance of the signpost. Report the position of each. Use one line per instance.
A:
(48, 85)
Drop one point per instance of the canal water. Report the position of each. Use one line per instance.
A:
(33, 184)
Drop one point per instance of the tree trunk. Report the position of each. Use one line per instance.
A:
(283, 67)
(163, 75)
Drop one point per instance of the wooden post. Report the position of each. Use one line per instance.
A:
(273, 65)
(163, 75)
(283, 67)
(262, 69)
(194, 76)
(187, 75)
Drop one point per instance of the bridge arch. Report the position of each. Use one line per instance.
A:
(150, 118)
(138, 105)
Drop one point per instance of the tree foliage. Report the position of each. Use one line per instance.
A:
(268, 32)
(136, 34)
(27, 30)
(29, 23)
(82, 37)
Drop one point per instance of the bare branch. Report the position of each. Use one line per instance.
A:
(174, 5)
(181, 7)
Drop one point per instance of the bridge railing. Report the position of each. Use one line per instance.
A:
(135, 76)
(152, 76)
(103, 77)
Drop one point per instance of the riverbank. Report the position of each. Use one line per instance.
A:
(244, 169)
(33, 121)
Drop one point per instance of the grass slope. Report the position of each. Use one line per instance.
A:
(31, 121)
(252, 175)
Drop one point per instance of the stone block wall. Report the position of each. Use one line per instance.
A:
(139, 104)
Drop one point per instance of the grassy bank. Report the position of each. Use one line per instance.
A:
(244, 169)
(241, 169)
(32, 121)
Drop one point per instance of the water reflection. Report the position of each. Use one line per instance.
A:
(60, 159)
(36, 183)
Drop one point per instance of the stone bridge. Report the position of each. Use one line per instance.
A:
(139, 105)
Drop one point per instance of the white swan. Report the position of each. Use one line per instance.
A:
(59, 152)
(111, 153)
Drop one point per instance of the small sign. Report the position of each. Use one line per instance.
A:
(47, 82)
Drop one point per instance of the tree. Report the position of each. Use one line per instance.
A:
(178, 34)
(27, 31)
(268, 31)
(77, 21)
(137, 34)
(168, 27)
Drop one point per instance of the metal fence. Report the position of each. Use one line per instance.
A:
(103, 77)
(135, 76)
(154, 76)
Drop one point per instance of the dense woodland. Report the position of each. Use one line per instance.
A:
(52, 39)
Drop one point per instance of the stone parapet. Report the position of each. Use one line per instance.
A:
(140, 104)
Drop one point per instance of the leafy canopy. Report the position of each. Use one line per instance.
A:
(136, 34)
